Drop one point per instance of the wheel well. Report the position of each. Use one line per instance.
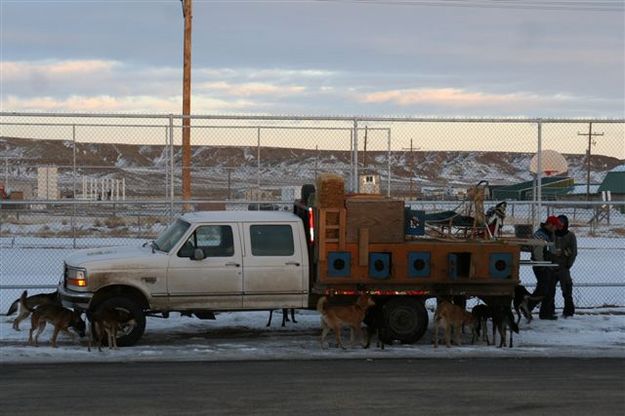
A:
(118, 290)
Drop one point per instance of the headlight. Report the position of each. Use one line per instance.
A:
(77, 278)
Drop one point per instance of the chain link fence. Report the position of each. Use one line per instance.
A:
(75, 180)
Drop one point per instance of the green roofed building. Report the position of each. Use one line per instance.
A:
(552, 188)
(614, 182)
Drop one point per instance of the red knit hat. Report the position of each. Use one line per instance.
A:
(555, 221)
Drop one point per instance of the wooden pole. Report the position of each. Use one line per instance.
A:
(590, 143)
(186, 103)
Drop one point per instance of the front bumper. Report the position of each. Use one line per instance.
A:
(71, 299)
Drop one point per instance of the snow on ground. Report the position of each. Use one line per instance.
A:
(600, 260)
(244, 336)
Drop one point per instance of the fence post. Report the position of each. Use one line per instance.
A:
(388, 134)
(258, 159)
(171, 167)
(74, 185)
(167, 154)
(355, 154)
(539, 175)
(351, 160)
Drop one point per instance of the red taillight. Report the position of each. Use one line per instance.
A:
(376, 292)
(311, 225)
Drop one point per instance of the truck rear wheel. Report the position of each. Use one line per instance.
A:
(133, 333)
(406, 320)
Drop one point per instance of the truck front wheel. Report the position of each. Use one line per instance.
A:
(130, 335)
(406, 320)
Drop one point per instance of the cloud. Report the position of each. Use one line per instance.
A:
(252, 88)
(127, 104)
(456, 97)
(24, 70)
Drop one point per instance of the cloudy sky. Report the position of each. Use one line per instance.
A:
(474, 58)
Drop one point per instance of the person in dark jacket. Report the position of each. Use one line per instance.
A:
(546, 279)
(566, 252)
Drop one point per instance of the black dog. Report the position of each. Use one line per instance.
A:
(502, 320)
(376, 325)
(285, 316)
(522, 297)
(481, 313)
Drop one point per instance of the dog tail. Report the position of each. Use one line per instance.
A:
(24, 303)
(13, 307)
(321, 303)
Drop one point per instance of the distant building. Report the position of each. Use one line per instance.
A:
(369, 183)
(579, 191)
(614, 184)
(552, 187)
(47, 183)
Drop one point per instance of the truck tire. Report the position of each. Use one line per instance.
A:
(130, 306)
(406, 320)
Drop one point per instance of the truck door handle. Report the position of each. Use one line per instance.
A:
(231, 264)
(292, 263)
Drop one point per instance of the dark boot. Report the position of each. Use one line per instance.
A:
(547, 306)
(566, 285)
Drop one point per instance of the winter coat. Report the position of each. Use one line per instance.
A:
(566, 245)
(542, 253)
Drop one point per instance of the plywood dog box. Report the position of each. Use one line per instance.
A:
(384, 218)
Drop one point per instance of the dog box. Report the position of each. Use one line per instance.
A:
(384, 218)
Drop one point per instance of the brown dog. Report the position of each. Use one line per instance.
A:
(451, 318)
(62, 319)
(108, 321)
(334, 317)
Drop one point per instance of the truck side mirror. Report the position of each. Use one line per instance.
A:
(198, 254)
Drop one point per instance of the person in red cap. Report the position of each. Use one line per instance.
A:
(546, 278)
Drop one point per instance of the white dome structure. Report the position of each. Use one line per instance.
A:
(552, 163)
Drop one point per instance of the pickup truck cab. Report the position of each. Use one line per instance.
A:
(202, 263)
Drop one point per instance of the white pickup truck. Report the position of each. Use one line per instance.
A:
(207, 262)
(203, 262)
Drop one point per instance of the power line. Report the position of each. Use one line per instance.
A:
(547, 5)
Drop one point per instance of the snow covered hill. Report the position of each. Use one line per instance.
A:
(143, 166)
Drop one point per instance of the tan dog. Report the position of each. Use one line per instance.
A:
(108, 322)
(62, 319)
(32, 302)
(334, 317)
(451, 317)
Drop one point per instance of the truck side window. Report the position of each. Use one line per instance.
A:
(272, 240)
(214, 240)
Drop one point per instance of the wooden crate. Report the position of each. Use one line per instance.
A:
(383, 218)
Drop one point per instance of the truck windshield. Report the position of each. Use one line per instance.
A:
(171, 235)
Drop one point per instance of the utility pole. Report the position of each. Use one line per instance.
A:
(412, 166)
(186, 102)
(364, 158)
(590, 135)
